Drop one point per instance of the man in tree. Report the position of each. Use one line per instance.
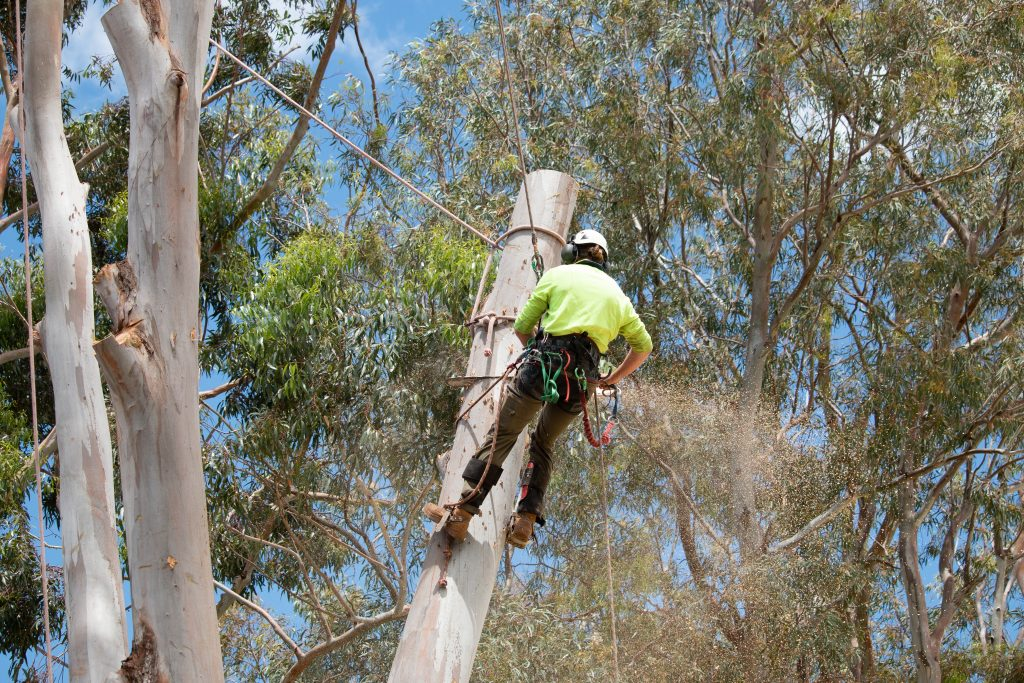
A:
(583, 311)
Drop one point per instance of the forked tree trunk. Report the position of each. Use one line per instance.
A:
(151, 360)
(94, 598)
(443, 629)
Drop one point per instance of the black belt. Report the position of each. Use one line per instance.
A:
(579, 342)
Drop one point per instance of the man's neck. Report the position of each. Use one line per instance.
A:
(603, 267)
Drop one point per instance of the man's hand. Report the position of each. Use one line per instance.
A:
(631, 362)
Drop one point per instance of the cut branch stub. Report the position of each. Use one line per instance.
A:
(116, 286)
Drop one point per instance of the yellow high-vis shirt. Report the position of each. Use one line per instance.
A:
(580, 298)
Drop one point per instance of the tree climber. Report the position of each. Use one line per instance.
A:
(583, 311)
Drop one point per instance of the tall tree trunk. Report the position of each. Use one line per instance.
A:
(925, 650)
(94, 598)
(743, 467)
(443, 628)
(745, 455)
(151, 360)
(863, 666)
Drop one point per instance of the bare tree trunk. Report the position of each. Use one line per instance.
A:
(443, 628)
(151, 360)
(94, 598)
(745, 453)
(928, 665)
(999, 602)
(863, 656)
(743, 466)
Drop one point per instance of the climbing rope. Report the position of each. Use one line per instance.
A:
(537, 263)
(608, 558)
(43, 572)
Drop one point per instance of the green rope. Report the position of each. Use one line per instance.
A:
(549, 379)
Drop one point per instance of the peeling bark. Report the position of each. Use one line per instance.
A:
(94, 598)
(151, 360)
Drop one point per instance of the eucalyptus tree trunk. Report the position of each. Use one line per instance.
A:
(151, 359)
(443, 628)
(743, 465)
(94, 598)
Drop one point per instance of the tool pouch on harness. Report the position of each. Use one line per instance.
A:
(552, 368)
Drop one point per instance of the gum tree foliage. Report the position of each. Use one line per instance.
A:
(879, 140)
(704, 132)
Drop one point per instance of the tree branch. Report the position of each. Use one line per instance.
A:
(274, 176)
(937, 198)
(325, 648)
(266, 615)
(80, 165)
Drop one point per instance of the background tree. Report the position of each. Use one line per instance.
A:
(94, 599)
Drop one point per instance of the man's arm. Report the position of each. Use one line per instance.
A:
(631, 362)
(526, 323)
(639, 343)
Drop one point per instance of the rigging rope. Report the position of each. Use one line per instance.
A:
(608, 549)
(354, 147)
(43, 572)
(537, 262)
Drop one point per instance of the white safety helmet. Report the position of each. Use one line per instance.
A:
(590, 237)
(570, 252)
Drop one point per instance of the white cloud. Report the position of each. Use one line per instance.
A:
(87, 41)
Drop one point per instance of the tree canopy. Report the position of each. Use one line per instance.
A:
(814, 207)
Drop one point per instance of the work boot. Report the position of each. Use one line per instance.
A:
(522, 529)
(433, 512)
(457, 525)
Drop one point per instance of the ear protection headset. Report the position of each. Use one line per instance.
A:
(571, 250)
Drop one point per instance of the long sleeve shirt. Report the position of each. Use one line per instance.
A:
(579, 298)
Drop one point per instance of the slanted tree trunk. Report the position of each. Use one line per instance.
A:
(443, 628)
(94, 598)
(151, 359)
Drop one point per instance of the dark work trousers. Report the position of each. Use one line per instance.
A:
(521, 403)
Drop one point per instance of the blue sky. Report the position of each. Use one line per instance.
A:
(385, 27)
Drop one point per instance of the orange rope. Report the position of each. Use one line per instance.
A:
(43, 573)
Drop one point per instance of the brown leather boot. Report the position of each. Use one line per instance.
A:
(433, 512)
(522, 529)
(457, 525)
